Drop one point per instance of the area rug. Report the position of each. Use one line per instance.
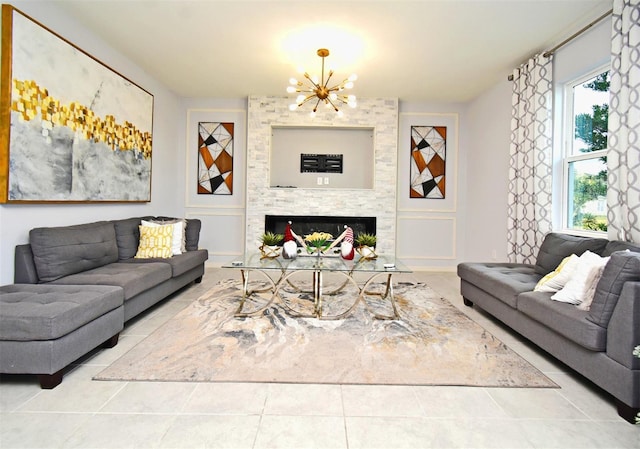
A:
(432, 343)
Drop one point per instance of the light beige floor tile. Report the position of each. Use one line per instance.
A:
(150, 397)
(15, 390)
(535, 403)
(38, 430)
(380, 400)
(109, 355)
(303, 399)
(73, 396)
(106, 431)
(595, 403)
(212, 432)
(301, 432)
(227, 398)
(458, 402)
(587, 434)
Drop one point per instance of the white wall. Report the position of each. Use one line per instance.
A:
(485, 177)
(16, 219)
(430, 231)
(222, 216)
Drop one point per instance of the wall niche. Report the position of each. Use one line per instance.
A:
(293, 149)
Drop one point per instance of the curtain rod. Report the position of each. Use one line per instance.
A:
(550, 52)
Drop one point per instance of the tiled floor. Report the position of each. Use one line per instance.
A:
(81, 413)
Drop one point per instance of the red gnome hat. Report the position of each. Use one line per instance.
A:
(290, 247)
(288, 236)
(346, 248)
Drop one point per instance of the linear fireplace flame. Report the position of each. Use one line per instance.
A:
(305, 224)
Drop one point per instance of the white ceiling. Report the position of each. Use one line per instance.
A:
(429, 50)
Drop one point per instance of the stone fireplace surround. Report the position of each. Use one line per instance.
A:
(381, 114)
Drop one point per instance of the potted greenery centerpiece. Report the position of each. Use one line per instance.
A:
(318, 242)
(366, 245)
(270, 247)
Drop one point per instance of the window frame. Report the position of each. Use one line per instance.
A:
(568, 130)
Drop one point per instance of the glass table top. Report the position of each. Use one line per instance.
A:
(255, 261)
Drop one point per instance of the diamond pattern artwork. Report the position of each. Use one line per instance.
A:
(428, 157)
(215, 158)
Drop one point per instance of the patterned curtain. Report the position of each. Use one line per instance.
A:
(530, 176)
(623, 157)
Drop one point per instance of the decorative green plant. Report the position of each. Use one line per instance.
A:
(318, 241)
(365, 239)
(271, 239)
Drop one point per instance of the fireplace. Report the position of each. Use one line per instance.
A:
(306, 224)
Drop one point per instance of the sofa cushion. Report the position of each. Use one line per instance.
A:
(623, 266)
(179, 264)
(127, 237)
(556, 247)
(618, 245)
(61, 251)
(133, 278)
(45, 312)
(565, 319)
(505, 281)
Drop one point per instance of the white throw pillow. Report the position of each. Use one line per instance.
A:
(595, 274)
(557, 279)
(584, 276)
(178, 232)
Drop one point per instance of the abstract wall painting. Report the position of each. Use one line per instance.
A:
(72, 129)
(428, 162)
(215, 158)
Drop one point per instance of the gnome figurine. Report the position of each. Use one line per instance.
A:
(346, 247)
(290, 247)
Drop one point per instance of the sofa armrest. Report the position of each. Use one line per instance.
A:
(24, 267)
(623, 332)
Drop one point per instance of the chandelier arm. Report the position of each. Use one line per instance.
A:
(315, 108)
(315, 85)
(309, 97)
(328, 78)
(333, 105)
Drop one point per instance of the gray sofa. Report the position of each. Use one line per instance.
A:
(76, 286)
(597, 343)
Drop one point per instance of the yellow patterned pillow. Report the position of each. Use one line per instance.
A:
(155, 241)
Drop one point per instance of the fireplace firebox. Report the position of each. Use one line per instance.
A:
(305, 224)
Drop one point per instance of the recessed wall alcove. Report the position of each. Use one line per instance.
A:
(380, 115)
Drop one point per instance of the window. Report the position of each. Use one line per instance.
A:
(585, 152)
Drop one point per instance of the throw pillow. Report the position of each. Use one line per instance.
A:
(557, 279)
(576, 289)
(594, 277)
(178, 241)
(155, 241)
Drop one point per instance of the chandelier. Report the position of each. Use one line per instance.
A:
(320, 91)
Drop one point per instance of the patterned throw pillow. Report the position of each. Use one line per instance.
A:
(557, 279)
(155, 241)
(179, 225)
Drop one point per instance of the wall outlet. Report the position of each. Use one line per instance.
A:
(319, 180)
(326, 180)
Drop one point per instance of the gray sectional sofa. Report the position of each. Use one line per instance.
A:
(76, 286)
(597, 343)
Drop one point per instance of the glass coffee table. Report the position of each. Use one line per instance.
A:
(305, 280)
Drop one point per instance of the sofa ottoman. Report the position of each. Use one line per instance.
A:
(44, 327)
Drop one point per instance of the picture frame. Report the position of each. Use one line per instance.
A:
(73, 130)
